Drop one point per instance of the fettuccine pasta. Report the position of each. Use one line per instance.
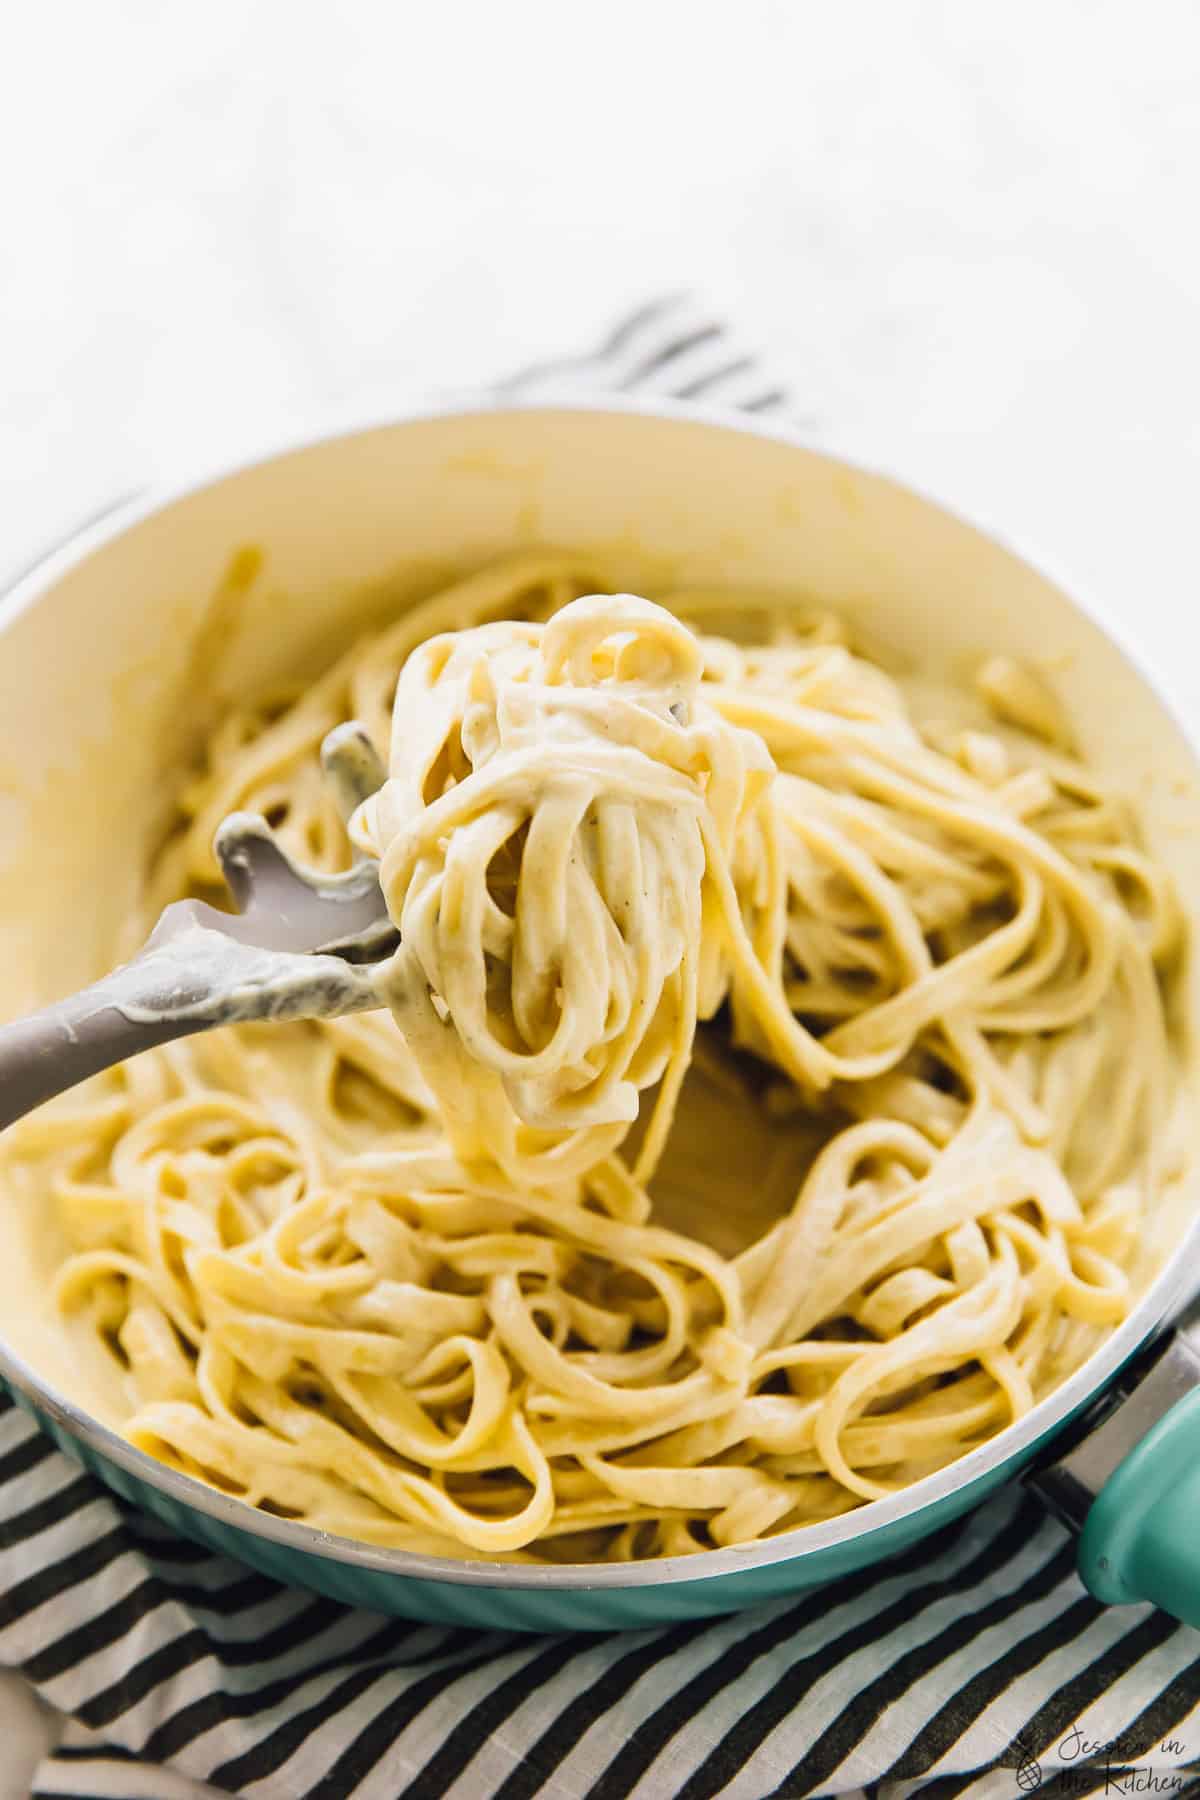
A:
(492, 1272)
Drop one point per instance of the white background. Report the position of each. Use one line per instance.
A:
(966, 235)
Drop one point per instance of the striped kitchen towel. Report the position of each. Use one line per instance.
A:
(973, 1664)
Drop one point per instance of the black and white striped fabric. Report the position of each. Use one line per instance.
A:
(672, 347)
(975, 1664)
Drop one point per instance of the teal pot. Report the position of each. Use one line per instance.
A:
(112, 649)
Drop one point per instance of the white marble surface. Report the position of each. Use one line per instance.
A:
(965, 233)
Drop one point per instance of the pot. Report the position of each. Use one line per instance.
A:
(118, 646)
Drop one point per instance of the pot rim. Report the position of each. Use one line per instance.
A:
(1014, 1445)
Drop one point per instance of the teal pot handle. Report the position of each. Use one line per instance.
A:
(1141, 1540)
(1130, 1478)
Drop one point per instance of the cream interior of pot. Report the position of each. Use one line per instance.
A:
(110, 672)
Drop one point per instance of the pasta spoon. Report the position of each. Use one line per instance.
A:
(300, 945)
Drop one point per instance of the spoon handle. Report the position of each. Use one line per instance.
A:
(192, 975)
(55, 1049)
